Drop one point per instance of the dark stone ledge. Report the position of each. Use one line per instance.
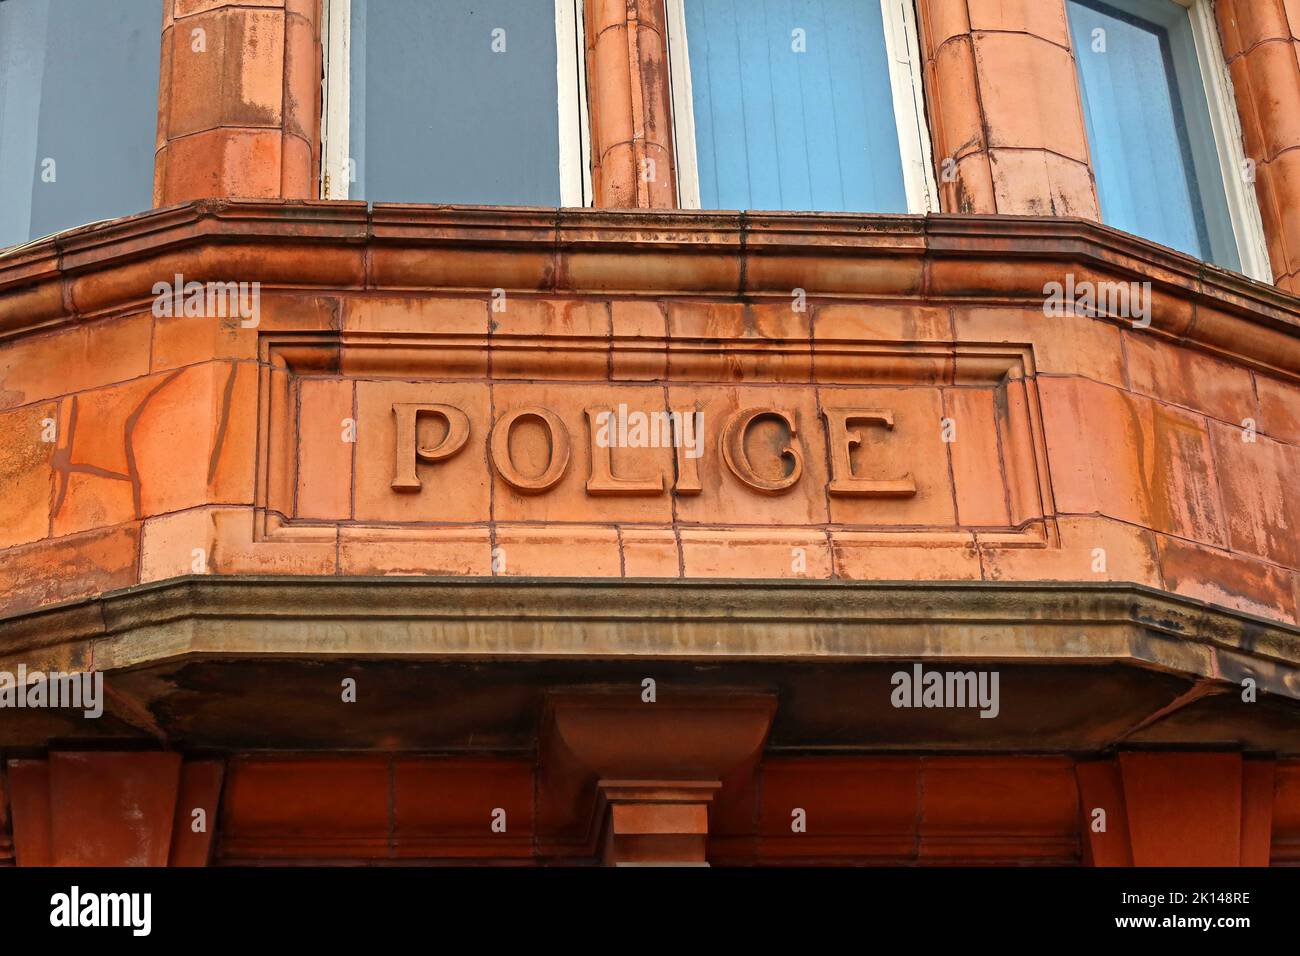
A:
(658, 619)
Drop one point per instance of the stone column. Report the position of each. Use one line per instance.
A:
(1005, 115)
(628, 90)
(1261, 42)
(238, 100)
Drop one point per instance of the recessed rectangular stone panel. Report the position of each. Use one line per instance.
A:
(455, 490)
(719, 461)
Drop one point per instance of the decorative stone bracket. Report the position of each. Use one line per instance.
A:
(634, 776)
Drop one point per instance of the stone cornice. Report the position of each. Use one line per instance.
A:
(529, 618)
(109, 268)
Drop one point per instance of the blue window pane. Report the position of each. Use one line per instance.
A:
(1149, 131)
(78, 112)
(445, 109)
(793, 106)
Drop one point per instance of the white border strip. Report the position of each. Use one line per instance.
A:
(570, 65)
(335, 111)
(584, 115)
(909, 106)
(1243, 205)
(685, 157)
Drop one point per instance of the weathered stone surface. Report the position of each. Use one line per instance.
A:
(1018, 446)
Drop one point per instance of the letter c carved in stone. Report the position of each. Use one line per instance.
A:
(733, 451)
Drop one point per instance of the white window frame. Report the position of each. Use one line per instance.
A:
(903, 52)
(571, 108)
(1243, 205)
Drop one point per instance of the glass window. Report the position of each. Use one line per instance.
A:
(457, 102)
(799, 105)
(78, 112)
(1150, 132)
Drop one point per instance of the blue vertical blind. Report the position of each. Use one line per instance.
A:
(793, 106)
(78, 112)
(454, 101)
(1149, 131)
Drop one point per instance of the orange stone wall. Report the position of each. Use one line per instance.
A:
(1004, 108)
(1169, 809)
(133, 440)
(1072, 433)
(1261, 41)
(239, 100)
(137, 447)
(628, 95)
(1001, 93)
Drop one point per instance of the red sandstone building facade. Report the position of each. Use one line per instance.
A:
(364, 582)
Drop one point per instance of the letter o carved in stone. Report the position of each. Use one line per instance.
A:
(500, 449)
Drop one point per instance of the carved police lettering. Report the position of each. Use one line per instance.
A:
(733, 451)
(557, 438)
(842, 441)
(761, 447)
(602, 480)
(687, 453)
(409, 448)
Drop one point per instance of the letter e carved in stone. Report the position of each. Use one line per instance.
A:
(842, 440)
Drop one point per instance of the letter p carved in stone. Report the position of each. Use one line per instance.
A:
(409, 449)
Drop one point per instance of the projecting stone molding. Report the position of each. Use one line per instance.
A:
(880, 398)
